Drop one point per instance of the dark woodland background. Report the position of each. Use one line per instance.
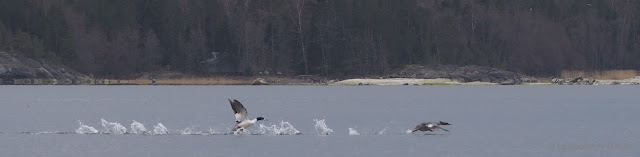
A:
(123, 38)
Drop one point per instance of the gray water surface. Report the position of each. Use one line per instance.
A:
(486, 120)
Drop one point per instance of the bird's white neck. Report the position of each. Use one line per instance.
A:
(253, 121)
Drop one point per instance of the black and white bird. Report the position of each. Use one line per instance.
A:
(242, 118)
(430, 126)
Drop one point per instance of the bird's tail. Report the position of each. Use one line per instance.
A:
(445, 129)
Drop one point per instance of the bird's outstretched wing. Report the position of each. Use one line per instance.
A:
(239, 110)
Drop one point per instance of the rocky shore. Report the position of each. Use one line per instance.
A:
(592, 81)
(17, 70)
(462, 74)
(473, 75)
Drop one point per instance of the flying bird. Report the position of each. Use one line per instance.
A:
(242, 118)
(430, 126)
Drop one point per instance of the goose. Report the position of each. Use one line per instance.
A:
(242, 118)
(430, 126)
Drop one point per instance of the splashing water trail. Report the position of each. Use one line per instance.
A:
(285, 128)
(381, 132)
(189, 131)
(409, 131)
(321, 127)
(353, 132)
(186, 131)
(241, 132)
(84, 129)
(160, 129)
(113, 127)
(213, 132)
(137, 128)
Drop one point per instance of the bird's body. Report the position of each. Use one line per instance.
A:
(242, 118)
(430, 126)
(245, 124)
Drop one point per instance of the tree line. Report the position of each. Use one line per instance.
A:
(121, 38)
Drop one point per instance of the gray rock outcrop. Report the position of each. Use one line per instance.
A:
(462, 74)
(22, 70)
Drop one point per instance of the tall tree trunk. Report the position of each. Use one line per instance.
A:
(299, 9)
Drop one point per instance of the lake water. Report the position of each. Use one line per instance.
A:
(486, 121)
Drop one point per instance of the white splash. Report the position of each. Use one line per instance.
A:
(113, 128)
(353, 132)
(84, 129)
(285, 128)
(214, 132)
(409, 131)
(241, 132)
(186, 131)
(160, 129)
(137, 128)
(321, 127)
(189, 131)
(382, 131)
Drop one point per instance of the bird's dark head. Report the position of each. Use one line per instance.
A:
(259, 118)
(444, 123)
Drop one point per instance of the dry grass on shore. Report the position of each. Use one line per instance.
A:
(191, 81)
(600, 75)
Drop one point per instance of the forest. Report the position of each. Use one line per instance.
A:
(124, 38)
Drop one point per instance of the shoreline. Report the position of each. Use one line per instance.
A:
(292, 81)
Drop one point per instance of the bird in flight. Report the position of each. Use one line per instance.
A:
(430, 126)
(242, 118)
